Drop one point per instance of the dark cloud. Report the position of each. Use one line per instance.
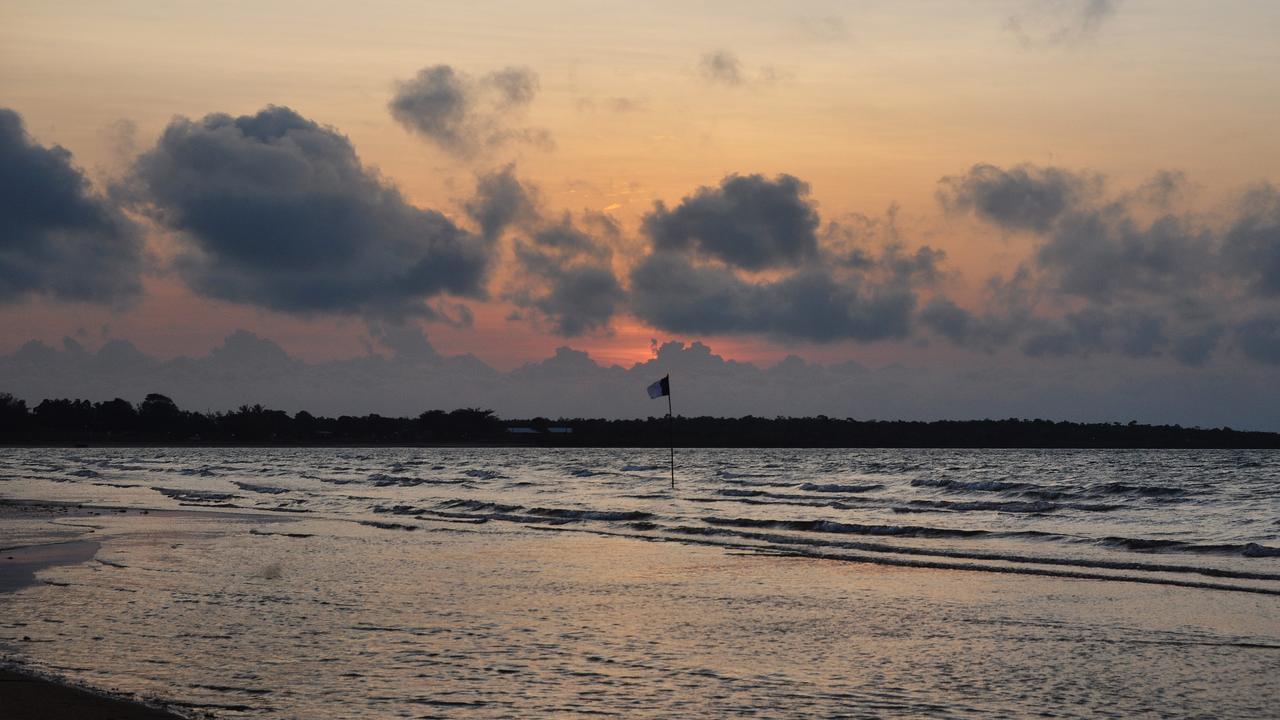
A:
(1251, 248)
(1010, 304)
(810, 304)
(749, 221)
(57, 237)
(1090, 245)
(279, 212)
(515, 85)
(1025, 197)
(721, 67)
(567, 278)
(1259, 338)
(1194, 349)
(747, 257)
(724, 68)
(464, 115)
(1097, 331)
(406, 340)
(1163, 189)
(500, 201)
(1107, 253)
(1145, 275)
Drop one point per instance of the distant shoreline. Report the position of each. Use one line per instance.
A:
(158, 422)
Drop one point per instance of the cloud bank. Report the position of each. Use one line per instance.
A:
(248, 369)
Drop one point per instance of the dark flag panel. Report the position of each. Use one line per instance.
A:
(657, 390)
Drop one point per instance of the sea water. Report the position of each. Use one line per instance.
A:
(511, 582)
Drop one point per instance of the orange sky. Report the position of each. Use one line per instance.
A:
(870, 104)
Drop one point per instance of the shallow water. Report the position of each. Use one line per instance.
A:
(488, 582)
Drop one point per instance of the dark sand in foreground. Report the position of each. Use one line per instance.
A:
(25, 697)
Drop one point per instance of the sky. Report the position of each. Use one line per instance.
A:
(1065, 209)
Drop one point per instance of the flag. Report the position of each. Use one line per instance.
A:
(660, 388)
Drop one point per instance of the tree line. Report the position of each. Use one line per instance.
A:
(159, 420)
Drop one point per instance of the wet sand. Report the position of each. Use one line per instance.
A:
(26, 697)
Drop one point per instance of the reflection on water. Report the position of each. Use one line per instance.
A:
(464, 582)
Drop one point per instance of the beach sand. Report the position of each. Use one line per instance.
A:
(321, 618)
(26, 697)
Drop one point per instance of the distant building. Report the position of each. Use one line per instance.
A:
(560, 430)
(522, 431)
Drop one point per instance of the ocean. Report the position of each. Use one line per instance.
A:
(521, 582)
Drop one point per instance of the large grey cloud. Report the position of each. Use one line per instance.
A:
(1024, 197)
(810, 304)
(1095, 246)
(573, 282)
(501, 201)
(1143, 275)
(1106, 253)
(57, 236)
(748, 221)
(464, 115)
(278, 211)
(746, 257)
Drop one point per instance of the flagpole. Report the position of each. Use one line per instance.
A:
(671, 426)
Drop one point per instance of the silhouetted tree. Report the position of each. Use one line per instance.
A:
(13, 413)
(159, 415)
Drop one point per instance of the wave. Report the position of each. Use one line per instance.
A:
(1119, 488)
(880, 554)
(831, 526)
(477, 505)
(196, 496)
(607, 515)
(978, 485)
(731, 475)
(387, 525)
(263, 489)
(775, 539)
(1146, 545)
(833, 488)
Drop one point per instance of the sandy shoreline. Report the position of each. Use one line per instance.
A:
(29, 697)
(25, 695)
(671, 628)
